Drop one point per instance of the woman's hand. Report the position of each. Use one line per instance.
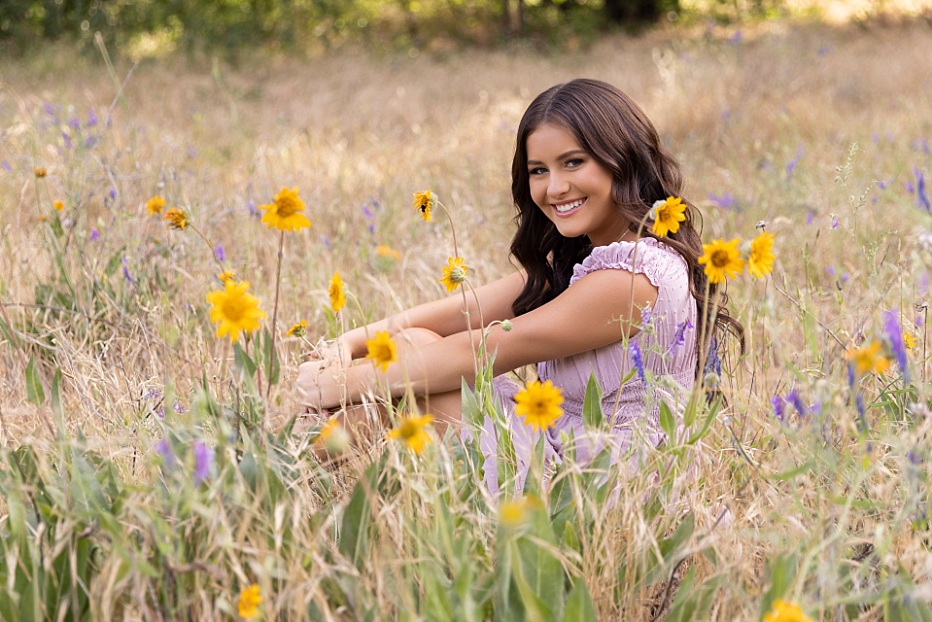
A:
(320, 383)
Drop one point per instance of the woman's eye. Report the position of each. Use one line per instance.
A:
(574, 162)
(540, 170)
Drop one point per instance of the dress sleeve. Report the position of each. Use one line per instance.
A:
(647, 256)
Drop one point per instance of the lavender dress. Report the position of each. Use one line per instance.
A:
(666, 345)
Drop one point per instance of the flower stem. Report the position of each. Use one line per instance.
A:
(278, 282)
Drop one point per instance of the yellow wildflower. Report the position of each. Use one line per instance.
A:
(424, 202)
(668, 215)
(412, 431)
(868, 359)
(454, 273)
(382, 349)
(383, 250)
(227, 275)
(722, 259)
(235, 310)
(761, 257)
(155, 204)
(40, 172)
(298, 330)
(337, 294)
(784, 611)
(285, 212)
(909, 340)
(177, 219)
(249, 600)
(539, 404)
(334, 436)
(58, 205)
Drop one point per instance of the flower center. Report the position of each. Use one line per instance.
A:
(408, 429)
(287, 206)
(720, 258)
(234, 309)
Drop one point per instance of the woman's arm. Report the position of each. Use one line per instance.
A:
(597, 310)
(445, 316)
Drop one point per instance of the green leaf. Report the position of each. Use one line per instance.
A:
(782, 570)
(579, 603)
(693, 603)
(592, 415)
(472, 414)
(668, 423)
(272, 365)
(357, 517)
(34, 391)
(244, 363)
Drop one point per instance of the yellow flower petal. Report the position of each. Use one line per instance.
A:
(539, 404)
(284, 213)
(424, 202)
(337, 293)
(454, 273)
(382, 350)
(235, 309)
(721, 259)
(249, 600)
(412, 431)
(667, 216)
(155, 205)
(761, 257)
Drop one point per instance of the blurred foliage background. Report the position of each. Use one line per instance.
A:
(148, 27)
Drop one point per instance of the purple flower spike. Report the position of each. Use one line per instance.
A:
(126, 273)
(74, 124)
(94, 235)
(638, 359)
(779, 410)
(203, 461)
(725, 201)
(6, 166)
(220, 253)
(679, 334)
(793, 398)
(921, 195)
(164, 449)
(791, 165)
(891, 326)
(91, 118)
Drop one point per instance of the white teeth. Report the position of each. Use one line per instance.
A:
(561, 209)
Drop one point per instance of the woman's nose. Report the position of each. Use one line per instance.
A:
(558, 185)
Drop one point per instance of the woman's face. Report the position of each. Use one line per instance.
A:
(572, 189)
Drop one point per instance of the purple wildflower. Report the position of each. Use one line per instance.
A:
(90, 142)
(810, 216)
(831, 271)
(6, 166)
(112, 194)
(850, 374)
(326, 241)
(66, 139)
(126, 273)
(368, 213)
(713, 364)
(793, 398)
(203, 461)
(251, 206)
(921, 195)
(74, 124)
(859, 404)
(91, 118)
(94, 235)
(834, 223)
(638, 360)
(779, 410)
(220, 253)
(921, 144)
(679, 334)
(725, 201)
(177, 407)
(164, 449)
(891, 326)
(791, 165)
(914, 458)
(881, 184)
(646, 313)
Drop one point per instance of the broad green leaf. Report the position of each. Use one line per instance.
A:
(34, 391)
(579, 604)
(668, 423)
(272, 365)
(592, 415)
(782, 571)
(242, 360)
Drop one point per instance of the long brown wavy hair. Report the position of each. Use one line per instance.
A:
(615, 132)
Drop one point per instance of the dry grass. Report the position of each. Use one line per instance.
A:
(346, 129)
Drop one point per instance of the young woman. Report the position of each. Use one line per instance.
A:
(600, 291)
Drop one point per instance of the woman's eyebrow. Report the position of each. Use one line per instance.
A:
(562, 156)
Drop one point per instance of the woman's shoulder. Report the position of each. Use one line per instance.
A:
(647, 256)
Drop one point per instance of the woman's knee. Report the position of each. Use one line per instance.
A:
(416, 337)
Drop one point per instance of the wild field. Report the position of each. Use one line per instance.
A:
(148, 468)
